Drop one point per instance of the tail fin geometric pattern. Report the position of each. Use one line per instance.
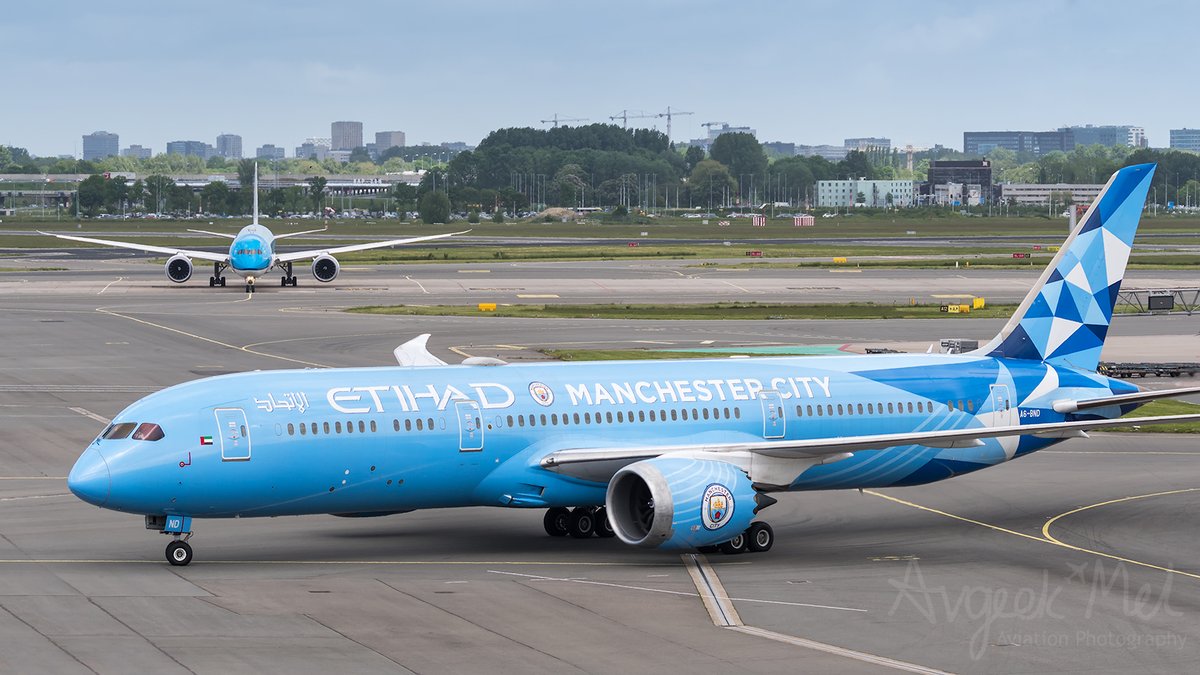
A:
(1066, 315)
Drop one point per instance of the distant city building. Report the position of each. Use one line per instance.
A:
(833, 153)
(100, 144)
(715, 131)
(958, 194)
(342, 156)
(137, 152)
(874, 193)
(1185, 139)
(1035, 193)
(346, 135)
(190, 148)
(1036, 142)
(388, 139)
(863, 144)
(268, 151)
(969, 172)
(1111, 136)
(457, 146)
(229, 146)
(313, 147)
(780, 148)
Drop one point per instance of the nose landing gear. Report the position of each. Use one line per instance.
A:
(287, 279)
(179, 552)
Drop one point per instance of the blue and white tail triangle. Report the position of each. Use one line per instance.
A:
(1065, 317)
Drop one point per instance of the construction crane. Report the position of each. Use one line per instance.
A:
(710, 125)
(625, 117)
(556, 119)
(669, 114)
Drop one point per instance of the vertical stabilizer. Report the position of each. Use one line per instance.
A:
(255, 221)
(1066, 315)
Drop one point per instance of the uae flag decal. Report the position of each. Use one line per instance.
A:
(206, 440)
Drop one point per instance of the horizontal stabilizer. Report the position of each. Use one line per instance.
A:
(297, 234)
(214, 234)
(1068, 406)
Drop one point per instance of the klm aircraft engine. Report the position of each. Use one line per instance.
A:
(679, 503)
(179, 268)
(325, 268)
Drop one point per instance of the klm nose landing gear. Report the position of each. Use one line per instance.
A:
(249, 284)
(287, 279)
(179, 552)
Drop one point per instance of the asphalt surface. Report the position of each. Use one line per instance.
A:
(957, 576)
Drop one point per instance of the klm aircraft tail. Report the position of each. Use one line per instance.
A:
(1065, 317)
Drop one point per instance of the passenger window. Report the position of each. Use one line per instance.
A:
(870, 408)
(642, 415)
(420, 425)
(543, 419)
(737, 413)
(395, 426)
(960, 404)
(695, 413)
(889, 407)
(429, 422)
(373, 428)
(587, 418)
(683, 414)
(117, 431)
(361, 427)
(510, 421)
(303, 430)
(554, 419)
(148, 431)
(910, 407)
(408, 424)
(706, 413)
(608, 417)
(860, 409)
(291, 429)
(829, 409)
(674, 414)
(520, 421)
(575, 418)
(970, 405)
(533, 420)
(839, 409)
(620, 416)
(819, 413)
(950, 405)
(314, 428)
(798, 411)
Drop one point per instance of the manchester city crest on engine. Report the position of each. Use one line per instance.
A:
(541, 393)
(717, 507)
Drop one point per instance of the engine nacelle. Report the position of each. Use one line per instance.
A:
(325, 268)
(679, 502)
(179, 268)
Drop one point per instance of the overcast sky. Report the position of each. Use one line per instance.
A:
(807, 72)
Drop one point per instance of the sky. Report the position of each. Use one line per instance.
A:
(810, 72)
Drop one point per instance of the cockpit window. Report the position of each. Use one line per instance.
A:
(148, 431)
(115, 431)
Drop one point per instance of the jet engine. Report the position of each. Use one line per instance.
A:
(325, 268)
(680, 502)
(179, 268)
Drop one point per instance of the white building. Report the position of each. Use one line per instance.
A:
(958, 194)
(1033, 193)
(873, 193)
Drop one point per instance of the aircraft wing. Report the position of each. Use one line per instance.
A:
(304, 255)
(817, 448)
(202, 255)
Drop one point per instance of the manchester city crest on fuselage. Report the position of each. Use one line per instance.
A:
(717, 507)
(541, 393)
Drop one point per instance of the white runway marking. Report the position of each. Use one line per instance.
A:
(110, 284)
(90, 415)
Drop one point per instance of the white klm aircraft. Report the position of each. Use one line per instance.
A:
(252, 253)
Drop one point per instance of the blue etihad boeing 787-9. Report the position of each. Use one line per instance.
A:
(671, 454)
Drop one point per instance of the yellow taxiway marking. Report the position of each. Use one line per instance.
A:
(110, 312)
(1047, 538)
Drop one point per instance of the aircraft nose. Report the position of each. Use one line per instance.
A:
(89, 478)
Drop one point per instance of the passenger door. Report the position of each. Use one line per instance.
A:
(470, 426)
(774, 423)
(234, 434)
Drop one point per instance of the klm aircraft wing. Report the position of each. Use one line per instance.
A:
(202, 255)
(816, 448)
(304, 255)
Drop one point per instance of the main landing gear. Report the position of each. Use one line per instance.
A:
(288, 279)
(580, 522)
(758, 538)
(216, 279)
(179, 551)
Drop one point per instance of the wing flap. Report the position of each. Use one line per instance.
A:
(312, 253)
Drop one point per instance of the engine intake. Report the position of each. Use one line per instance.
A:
(325, 268)
(680, 502)
(179, 268)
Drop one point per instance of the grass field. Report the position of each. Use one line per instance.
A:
(720, 310)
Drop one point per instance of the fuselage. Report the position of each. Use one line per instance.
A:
(381, 440)
(252, 251)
